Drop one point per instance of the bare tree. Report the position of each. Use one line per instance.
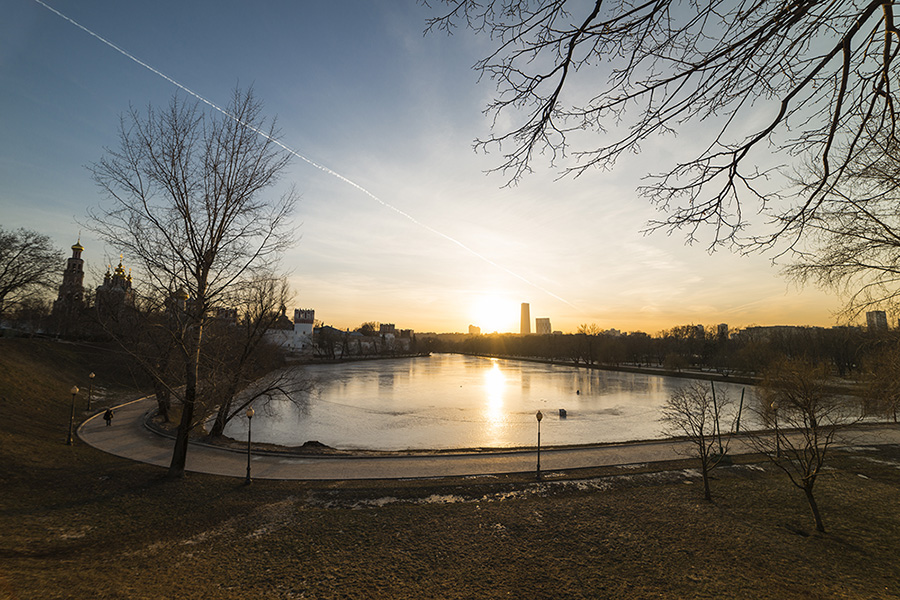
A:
(804, 417)
(242, 354)
(149, 331)
(696, 411)
(29, 263)
(853, 240)
(186, 201)
(769, 81)
(587, 337)
(883, 382)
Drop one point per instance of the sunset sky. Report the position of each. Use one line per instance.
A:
(436, 244)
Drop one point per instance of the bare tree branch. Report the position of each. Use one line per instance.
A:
(816, 73)
(186, 201)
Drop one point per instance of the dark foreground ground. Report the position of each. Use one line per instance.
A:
(76, 523)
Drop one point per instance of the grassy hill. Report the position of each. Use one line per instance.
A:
(35, 400)
(77, 523)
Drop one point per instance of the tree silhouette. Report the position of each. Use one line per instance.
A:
(185, 201)
(760, 83)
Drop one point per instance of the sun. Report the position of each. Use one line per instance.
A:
(493, 312)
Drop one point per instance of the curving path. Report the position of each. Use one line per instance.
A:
(128, 438)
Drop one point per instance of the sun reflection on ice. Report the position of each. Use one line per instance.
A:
(494, 385)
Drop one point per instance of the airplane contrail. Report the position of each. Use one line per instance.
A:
(310, 162)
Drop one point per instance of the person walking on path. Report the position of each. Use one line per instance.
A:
(108, 416)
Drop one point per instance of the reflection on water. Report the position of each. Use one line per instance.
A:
(494, 384)
(451, 401)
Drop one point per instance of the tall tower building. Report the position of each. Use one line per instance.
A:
(525, 326)
(304, 320)
(542, 326)
(70, 300)
(876, 320)
(71, 292)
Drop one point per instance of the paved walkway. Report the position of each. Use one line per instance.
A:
(129, 438)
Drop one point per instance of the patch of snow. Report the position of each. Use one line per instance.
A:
(442, 499)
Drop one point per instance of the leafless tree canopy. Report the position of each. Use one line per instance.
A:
(853, 240)
(28, 265)
(764, 83)
(185, 196)
(882, 391)
(805, 417)
(187, 200)
(696, 412)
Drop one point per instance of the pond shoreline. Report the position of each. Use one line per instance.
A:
(686, 374)
(321, 360)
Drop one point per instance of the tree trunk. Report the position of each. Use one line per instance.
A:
(222, 417)
(820, 526)
(706, 493)
(179, 453)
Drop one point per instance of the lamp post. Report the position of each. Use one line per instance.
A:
(74, 392)
(90, 390)
(250, 414)
(539, 416)
(777, 437)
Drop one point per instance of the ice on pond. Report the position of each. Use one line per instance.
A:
(453, 401)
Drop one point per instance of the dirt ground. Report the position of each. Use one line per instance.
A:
(76, 523)
(625, 535)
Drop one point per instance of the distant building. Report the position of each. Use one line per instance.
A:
(876, 320)
(70, 301)
(227, 315)
(282, 322)
(769, 332)
(71, 292)
(386, 328)
(304, 319)
(542, 326)
(474, 330)
(296, 336)
(115, 292)
(525, 323)
(722, 331)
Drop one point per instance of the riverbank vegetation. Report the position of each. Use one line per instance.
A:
(847, 350)
(78, 523)
(855, 359)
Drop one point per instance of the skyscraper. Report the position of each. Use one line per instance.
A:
(525, 327)
(876, 319)
(542, 326)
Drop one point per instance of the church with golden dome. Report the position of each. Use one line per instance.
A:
(109, 298)
(115, 291)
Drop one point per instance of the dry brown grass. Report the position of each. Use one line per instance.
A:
(76, 523)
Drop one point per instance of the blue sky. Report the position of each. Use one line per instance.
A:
(358, 89)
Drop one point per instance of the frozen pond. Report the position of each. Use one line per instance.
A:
(453, 401)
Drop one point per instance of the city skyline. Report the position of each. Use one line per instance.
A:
(398, 221)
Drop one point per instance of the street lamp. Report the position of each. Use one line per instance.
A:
(250, 414)
(90, 390)
(74, 392)
(777, 438)
(539, 416)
